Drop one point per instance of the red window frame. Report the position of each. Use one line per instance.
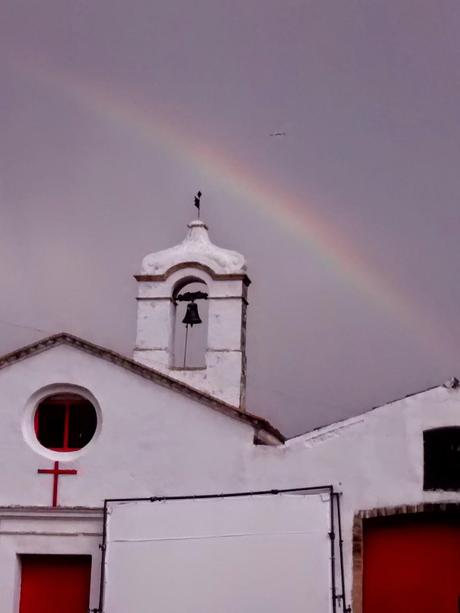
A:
(67, 401)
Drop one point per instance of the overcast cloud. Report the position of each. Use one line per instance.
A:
(324, 136)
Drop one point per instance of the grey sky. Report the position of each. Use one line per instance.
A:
(112, 114)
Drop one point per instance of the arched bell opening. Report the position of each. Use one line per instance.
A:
(190, 338)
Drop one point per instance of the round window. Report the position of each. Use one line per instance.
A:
(65, 422)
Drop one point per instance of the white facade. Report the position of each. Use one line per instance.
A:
(150, 440)
(157, 436)
(223, 272)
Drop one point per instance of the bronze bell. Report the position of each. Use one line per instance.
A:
(192, 316)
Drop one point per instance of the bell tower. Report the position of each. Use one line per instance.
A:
(218, 277)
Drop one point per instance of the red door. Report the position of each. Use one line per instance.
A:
(55, 584)
(411, 565)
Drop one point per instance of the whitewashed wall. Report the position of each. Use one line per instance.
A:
(375, 459)
(224, 273)
(224, 376)
(153, 441)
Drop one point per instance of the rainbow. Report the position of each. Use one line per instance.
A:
(297, 216)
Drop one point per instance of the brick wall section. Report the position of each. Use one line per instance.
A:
(357, 592)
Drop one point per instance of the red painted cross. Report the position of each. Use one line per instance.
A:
(56, 471)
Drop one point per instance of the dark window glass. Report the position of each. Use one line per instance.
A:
(65, 422)
(442, 459)
(82, 424)
(51, 420)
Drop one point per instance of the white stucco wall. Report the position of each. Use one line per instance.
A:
(154, 442)
(375, 459)
(151, 440)
(224, 272)
(224, 375)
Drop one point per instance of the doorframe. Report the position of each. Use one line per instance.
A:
(46, 531)
(426, 508)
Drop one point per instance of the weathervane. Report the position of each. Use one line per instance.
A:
(198, 202)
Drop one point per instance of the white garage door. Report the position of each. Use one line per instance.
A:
(252, 553)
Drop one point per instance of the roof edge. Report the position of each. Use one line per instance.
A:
(259, 424)
(450, 384)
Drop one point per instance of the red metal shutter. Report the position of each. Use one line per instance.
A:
(412, 565)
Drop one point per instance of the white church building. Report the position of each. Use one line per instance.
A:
(140, 484)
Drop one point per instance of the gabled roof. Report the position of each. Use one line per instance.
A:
(264, 432)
